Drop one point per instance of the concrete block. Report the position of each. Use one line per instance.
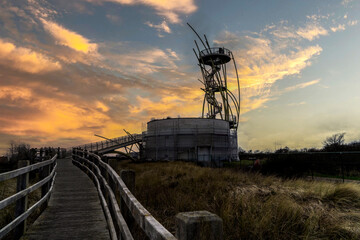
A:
(199, 225)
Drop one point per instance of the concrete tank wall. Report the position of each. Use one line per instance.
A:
(209, 141)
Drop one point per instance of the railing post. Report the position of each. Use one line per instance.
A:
(45, 188)
(128, 176)
(22, 203)
(41, 154)
(201, 225)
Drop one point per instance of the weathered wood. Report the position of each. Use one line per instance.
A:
(152, 228)
(20, 171)
(22, 203)
(74, 210)
(128, 176)
(105, 207)
(7, 201)
(43, 174)
(123, 229)
(26, 214)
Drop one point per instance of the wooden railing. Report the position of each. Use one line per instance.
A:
(110, 185)
(47, 173)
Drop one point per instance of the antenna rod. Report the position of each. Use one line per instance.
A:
(198, 36)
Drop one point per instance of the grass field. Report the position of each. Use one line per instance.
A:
(252, 206)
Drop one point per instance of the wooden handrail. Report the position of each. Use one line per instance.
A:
(26, 214)
(21, 213)
(102, 200)
(120, 221)
(7, 201)
(17, 172)
(152, 228)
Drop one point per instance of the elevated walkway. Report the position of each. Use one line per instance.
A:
(74, 210)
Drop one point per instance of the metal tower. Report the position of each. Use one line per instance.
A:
(218, 99)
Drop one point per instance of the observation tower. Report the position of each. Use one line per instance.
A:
(211, 139)
(219, 102)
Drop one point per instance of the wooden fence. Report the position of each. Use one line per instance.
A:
(114, 189)
(47, 175)
(109, 183)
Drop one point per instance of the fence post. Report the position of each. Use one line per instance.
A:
(22, 203)
(201, 225)
(128, 176)
(45, 188)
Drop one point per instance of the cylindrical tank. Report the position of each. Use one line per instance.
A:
(208, 141)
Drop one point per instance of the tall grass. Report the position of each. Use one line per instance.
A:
(252, 206)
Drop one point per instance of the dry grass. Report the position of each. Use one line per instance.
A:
(252, 206)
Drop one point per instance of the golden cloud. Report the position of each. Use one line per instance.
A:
(69, 38)
(25, 59)
(54, 118)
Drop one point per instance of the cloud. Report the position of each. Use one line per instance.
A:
(353, 23)
(340, 27)
(116, 19)
(69, 38)
(312, 31)
(297, 104)
(169, 9)
(143, 61)
(263, 59)
(25, 59)
(346, 2)
(162, 27)
(302, 85)
(28, 113)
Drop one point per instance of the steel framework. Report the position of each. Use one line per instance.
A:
(218, 99)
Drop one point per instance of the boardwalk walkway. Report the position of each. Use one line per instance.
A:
(74, 210)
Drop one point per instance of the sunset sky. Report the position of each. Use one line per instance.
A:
(72, 69)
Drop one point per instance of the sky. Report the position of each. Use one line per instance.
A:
(72, 69)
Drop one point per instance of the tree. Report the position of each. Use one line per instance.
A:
(19, 151)
(334, 143)
(283, 150)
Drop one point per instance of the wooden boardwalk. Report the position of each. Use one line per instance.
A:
(74, 210)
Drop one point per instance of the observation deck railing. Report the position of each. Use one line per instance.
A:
(215, 50)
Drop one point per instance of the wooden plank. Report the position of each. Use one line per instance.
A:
(120, 221)
(74, 210)
(105, 207)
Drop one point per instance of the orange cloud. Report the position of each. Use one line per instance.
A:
(52, 119)
(25, 59)
(69, 38)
